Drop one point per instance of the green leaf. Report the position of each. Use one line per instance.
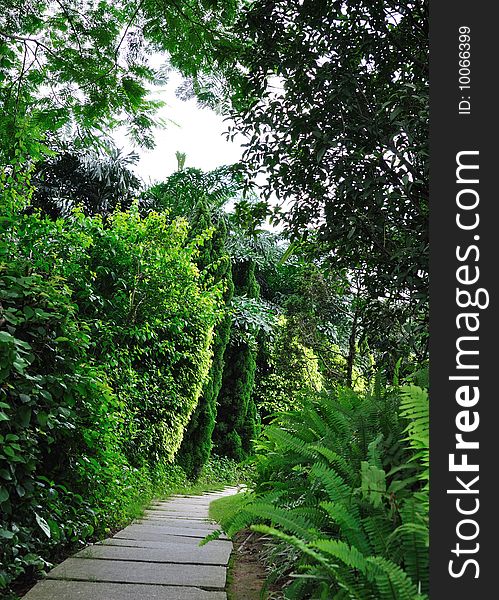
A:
(24, 415)
(4, 494)
(44, 526)
(6, 535)
(6, 337)
(5, 474)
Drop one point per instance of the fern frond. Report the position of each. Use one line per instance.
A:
(286, 442)
(391, 581)
(342, 551)
(336, 461)
(350, 525)
(373, 486)
(295, 542)
(378, 529)
(333, 484)
(291, 522)
(414, 406)
(412, 535)
(214, 535)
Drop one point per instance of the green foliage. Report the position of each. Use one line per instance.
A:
(286, 369)
(236, 415)
(98, 182)
(215, 263)
(333, 100)
(337, 486)
(200, 198)
(81, 69)
(323, 314)
(105, 341)
(221, 470)
(183, 190)
(252, 318)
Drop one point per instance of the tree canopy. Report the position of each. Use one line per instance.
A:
(83, 69)
(335, 110)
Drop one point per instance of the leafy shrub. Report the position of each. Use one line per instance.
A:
(237, 416)
(215, 263)
(340, 488)
(219, 469)
(43, 384)
(286, 369)
(105, 344)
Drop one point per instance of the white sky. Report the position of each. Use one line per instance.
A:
(196, 131)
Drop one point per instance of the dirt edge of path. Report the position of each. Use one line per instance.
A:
(247, 574)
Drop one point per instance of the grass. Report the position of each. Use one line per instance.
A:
(223, 509)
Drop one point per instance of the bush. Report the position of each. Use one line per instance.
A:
(236, 415)
(342, 487)
(105, 344)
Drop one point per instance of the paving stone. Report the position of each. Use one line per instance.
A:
(176, 512)
(216, 547)
(121, 571)
(169, 553)
(172, 522)
(163, 514)
(53, 589)
(184, 508)
(190, 510)
(157, 536)
(189, 501)
(165, 530)
(156, 558)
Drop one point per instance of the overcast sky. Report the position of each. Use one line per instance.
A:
(196, 131)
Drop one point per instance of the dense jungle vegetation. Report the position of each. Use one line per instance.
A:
(154, 336)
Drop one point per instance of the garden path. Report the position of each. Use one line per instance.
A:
(154, 558)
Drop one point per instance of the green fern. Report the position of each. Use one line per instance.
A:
(294, 523)
(412, 538)
(349, 522)
(391, 581)
(414, 406)
(340, 488)
(337, 490)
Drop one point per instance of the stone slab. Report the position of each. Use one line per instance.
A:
(172, 522)
(157, 536)
(164, 514)
(215, 546)
(53, 589)
(171, 553)
(165, 530)
(187, 502)
(188, 510)
(183, 508)
(182, 512)
(121, 571)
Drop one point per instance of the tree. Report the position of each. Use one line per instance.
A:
(82, 69)
(201, 197)
(98, 182)
(213, 260)
(334, 103)
(181, 192)
(236, 416)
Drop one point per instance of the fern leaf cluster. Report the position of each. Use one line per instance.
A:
(342, 485)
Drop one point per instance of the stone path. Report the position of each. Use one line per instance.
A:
(155, 558)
